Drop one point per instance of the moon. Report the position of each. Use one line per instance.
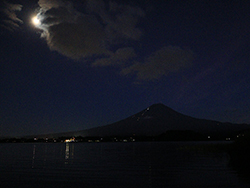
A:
(36, 21)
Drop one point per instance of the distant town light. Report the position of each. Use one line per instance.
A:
(70, 140)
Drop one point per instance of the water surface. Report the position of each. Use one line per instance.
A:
(120, 165)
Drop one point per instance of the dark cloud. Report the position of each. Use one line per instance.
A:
(120, 19)
(124, 23)
(11, 21)
(89, 33)
(120, 57)
(102, 31)
(161, 63)
(76, 40)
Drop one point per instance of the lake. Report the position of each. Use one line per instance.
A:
(119, 165)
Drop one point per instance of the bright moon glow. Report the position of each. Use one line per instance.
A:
(35, 20)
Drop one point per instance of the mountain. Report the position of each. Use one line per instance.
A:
(158, 119)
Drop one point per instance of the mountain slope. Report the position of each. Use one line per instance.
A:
(158, 119)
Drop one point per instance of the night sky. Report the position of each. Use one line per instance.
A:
(94, 62)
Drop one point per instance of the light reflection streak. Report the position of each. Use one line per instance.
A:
(33, 156)
(69, 152)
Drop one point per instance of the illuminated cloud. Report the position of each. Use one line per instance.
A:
(91, 32)
(161, 63)
(11, 21)
(47, 4)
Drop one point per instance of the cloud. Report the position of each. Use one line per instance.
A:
(120, 19)
(121, 56)
(46, 4)
(77, 40)
(161, 63)
(91, 32)
(11, 21)
(125, 22)
(101, 32)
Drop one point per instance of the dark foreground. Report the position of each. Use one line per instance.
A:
(119, 165)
